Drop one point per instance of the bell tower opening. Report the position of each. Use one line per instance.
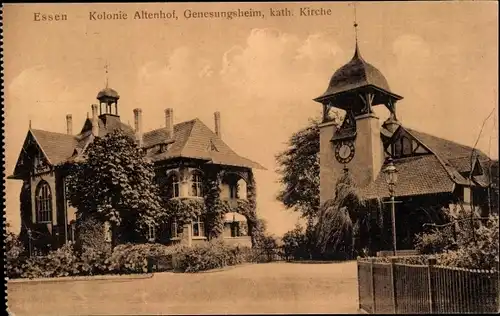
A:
(108, 102)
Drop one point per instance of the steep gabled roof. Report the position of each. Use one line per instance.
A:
(448, 164)
(193, 139)
(58, 147)
(444, 148)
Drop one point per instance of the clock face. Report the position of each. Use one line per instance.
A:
(344, 151)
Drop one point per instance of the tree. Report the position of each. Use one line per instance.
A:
(340, 218)
(299, 171)
(115, 183)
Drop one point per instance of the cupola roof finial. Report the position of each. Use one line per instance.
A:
(106, 69)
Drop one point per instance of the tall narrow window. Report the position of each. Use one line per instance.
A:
(196, 184)
(198, 227)
(175, 230)
(151, 234)
(233, 190)
(43, 203)
(173, 185)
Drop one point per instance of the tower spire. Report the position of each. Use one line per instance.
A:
(356, 50)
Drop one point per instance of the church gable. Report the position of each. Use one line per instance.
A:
(402, 144)
(32, 157)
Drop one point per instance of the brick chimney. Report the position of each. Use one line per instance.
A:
(138, 126)
(217, 124)
(169, 122)
(95, 121)
(69, 124)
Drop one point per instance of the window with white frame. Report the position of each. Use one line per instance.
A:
(198, 227)
(233, 190)
(151, 233)
(175, 230)
(173, 184)
(196, 184)
(43, 203)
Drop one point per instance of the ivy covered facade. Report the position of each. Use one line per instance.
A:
(207, 190)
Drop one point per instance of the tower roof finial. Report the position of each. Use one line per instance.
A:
(356, 50)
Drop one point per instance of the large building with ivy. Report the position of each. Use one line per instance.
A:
(186, 155)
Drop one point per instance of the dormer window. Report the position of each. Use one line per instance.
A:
(163, 148)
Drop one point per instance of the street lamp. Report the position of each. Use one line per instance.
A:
(391, 177)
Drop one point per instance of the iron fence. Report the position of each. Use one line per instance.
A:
(407, 289)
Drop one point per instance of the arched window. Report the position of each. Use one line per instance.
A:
(173, 185)
(196, 184)
(43, 203)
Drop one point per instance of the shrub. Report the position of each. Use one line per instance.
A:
(474, 246)
(134, 258)
(209, 255)
(14, 251)
(295, 243)
(434, 242)
(61, 262)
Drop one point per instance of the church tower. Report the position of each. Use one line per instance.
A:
(357, 144)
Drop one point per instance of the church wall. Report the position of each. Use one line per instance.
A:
(369, 151)
(328, 169)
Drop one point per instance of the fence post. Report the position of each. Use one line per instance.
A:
(430, 263)
(359, 283)
(393, 284)
(497, 292)
(372, 284)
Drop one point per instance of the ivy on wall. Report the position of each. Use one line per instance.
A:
(211, 206)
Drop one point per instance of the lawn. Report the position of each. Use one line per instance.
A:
(253, 288)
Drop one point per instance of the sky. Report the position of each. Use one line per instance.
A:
(260, 73)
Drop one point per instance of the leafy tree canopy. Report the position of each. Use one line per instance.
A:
(115, 183)
(299, 171)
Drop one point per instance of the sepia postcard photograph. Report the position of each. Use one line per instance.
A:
(251, 158)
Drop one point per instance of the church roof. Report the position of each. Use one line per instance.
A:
(355, 74)
(448, 164)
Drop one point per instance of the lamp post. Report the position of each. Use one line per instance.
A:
(391, 177)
